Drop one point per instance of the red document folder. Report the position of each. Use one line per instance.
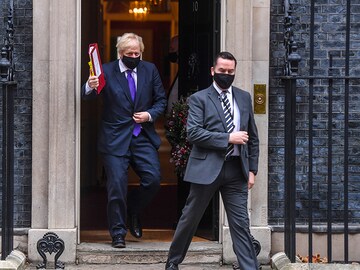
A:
(96, 66)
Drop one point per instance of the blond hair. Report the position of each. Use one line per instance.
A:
(123, 42)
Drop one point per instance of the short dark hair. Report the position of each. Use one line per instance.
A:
(224, 55)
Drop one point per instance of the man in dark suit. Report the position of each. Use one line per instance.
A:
(224, 157)
(133, 98)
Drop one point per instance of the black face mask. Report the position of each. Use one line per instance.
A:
(130, 62)
(224, 81)
(173, 57)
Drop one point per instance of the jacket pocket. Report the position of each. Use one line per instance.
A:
(198, 154)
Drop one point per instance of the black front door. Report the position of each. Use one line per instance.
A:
(199, 31)
(161, 213)
(199, 42)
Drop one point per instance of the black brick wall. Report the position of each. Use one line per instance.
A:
(329, 38)
(22, 106)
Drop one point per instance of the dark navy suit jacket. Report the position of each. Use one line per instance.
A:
(117, 123)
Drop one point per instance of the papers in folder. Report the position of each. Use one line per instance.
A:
(96, 66)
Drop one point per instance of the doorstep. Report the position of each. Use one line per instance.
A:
(206, 252)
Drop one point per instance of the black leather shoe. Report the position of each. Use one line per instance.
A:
(171, 266)
(118, 241)
(135, 226)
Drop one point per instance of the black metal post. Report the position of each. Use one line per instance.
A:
(310, 134)
(8, 86)
(291, 68)
(330, 160)
(346, 133)
(290, 157)
(7, 232)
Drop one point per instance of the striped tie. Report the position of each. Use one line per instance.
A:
(229, 121)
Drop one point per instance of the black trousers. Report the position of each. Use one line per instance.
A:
(234, 192)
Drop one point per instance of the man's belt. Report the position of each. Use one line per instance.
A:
(232, 158)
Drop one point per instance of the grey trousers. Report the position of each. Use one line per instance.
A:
(234, 192)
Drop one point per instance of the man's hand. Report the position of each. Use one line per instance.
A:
(141, 117)
(93, 82)
(238, 137)
(251, 181)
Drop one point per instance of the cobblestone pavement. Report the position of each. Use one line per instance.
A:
(139, 267)
(204, 267)
(295, 266)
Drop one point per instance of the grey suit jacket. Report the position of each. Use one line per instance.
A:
(206, 131)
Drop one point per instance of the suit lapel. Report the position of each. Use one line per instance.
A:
(214, 97)
(121, 78)
(140, 81)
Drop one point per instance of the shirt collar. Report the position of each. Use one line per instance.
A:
(229, 91)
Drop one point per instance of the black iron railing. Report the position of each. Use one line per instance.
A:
(8, 87)
(292, 59)
(343, 80)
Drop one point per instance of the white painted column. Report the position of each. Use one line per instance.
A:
(260, 75)
(245, 33)
(54, 124)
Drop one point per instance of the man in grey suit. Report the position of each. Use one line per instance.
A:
(224, 157)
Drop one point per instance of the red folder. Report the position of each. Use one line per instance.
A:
(96, 66)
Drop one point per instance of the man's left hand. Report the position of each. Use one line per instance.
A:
(251, 181)
(141, 117)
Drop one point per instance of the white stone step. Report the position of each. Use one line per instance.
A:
(146, 253)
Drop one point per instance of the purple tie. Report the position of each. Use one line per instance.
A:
(131, 82)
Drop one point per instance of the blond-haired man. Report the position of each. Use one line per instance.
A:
(133, 98)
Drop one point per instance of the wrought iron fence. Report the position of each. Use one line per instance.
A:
(8, 86)
(323, 99)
